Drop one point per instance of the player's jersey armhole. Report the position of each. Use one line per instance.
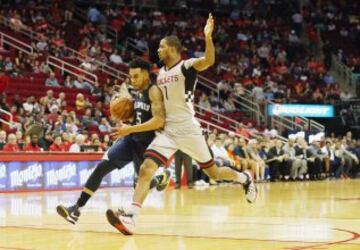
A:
(190, 75)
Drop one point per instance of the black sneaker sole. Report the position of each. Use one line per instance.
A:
(115, 222)
(61, 210)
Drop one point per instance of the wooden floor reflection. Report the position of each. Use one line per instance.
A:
(307, 215)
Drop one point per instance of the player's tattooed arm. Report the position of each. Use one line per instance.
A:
(157, 104)
(208, 59)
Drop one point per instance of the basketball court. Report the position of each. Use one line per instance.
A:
(306, 215)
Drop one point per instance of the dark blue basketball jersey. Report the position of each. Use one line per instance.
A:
(132, 147)
(142, 113)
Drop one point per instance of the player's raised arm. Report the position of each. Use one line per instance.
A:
(208, 59)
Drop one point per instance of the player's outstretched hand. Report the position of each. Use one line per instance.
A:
(209, 27)
(121, 131)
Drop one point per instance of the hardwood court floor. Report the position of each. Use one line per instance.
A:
(307, 215)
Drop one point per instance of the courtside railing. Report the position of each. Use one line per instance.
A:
(211, 126)
(352, 80)
(242, 101)
(33, 36)
(15, 43)
(8, 121)
(72, 69)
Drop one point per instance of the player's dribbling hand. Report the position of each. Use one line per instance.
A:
(121, 131)
(209, 27)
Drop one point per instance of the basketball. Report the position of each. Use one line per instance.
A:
(121, 108)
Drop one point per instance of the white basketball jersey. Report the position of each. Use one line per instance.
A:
(177, 85)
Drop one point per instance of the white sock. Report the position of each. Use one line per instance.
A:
(242, 178)
(135, 208)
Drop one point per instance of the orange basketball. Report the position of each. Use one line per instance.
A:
(121, 108)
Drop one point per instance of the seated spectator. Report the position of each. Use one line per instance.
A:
(230, 150)
(220, 154)
(11, 145)
(276, 161)
(31, 106)
(36, 67)
(94, 15)
(4, 80)
(88, 65)
(298, 166)
(81, 83)
(329, 79)
(16, 23)
(68, 83)
(97, 142)
(104, 126)
(69, 126)
(58, 40)
(61, 98)
(243, 131)
(106, 46)
(51, 81)
(345, 96)
(46, 141)
(336, 164)
(260, 165)
(57, 145)
(80, 102)
(115, 58)
(76, 147)
(45, 68)
(204, 102)
(19, 139)
(54, 114)
(33, 146)
(42, 45)
(9, 65)
(258, 93)
(229, 105)
(2, 139)
(315, 158)
(67, 141)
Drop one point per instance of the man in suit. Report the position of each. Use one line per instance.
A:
(277, 160)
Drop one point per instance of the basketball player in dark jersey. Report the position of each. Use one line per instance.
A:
(148, 116)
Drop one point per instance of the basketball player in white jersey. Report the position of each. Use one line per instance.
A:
(177, 80)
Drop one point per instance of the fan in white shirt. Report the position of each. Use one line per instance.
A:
(76, 147)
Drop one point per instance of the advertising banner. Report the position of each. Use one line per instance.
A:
(3, 176)
(50, 175)
(24, 175)
(304, 110)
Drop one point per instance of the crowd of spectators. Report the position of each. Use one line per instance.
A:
(258, 48)
(271, 159)
(338, 23)
(315, 158)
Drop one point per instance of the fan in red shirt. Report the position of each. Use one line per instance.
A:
(57, 146)
(66, 141)
(33, 145)
(4, 81)
(11, 145)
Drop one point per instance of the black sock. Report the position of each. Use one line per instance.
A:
(94, 181)
(84, 197)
